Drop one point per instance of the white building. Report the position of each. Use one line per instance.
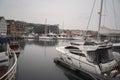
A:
(3, 26)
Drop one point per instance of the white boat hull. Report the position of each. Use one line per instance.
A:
(83, 63)
(78, 61)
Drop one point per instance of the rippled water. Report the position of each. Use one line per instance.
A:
(36, 61)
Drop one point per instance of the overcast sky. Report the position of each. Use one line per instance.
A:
(74, 13)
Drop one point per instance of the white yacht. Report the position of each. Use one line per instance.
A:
(78, 37)
(94, 59)
(64, 36)
(45, 38)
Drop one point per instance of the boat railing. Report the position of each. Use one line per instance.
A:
(9, 75)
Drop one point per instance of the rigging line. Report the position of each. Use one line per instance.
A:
(105, 11)
(100, 17)
(109, 13)
(114, 14)
(90, 16)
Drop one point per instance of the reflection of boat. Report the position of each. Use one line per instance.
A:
(43, 42)
(8, 61)
(94, 59)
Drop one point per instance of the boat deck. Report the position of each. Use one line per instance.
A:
(3, 70)
(8, 72)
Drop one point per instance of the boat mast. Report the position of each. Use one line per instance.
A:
(45, 27)
(100, 17)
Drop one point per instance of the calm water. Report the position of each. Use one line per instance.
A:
(36, 61)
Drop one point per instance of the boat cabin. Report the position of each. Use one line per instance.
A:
(100, 55)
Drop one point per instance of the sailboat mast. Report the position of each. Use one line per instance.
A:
(100, 17)
(45, 27)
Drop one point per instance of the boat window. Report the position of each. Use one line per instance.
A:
(90, 43)
(2, 48)
(105, 55)
(71, 47)
(92, 56)
(100, 56)
(77, 52)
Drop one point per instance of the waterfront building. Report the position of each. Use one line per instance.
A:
(3, 26)
(45, 29)
(20, 27)
(11, 28)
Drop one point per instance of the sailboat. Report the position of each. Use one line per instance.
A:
(93, 57)
(45, 36)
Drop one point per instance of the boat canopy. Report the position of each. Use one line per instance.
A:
(4, 40)
(71, 47)
(90, 43)
(102, 55)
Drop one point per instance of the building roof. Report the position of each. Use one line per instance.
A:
(10, 21)
(1, 18)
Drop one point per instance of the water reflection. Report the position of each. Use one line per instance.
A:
(71, 75)
(36, 61)
(22, 44)
(42, 42)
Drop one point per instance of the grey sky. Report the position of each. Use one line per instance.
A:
(74, 13)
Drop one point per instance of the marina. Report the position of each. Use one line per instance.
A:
(41, 63)
(60, 40)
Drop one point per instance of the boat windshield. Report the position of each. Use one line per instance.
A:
(103, 55)
(90, 43)
(2, 47)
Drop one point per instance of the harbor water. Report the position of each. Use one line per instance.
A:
(36, 61)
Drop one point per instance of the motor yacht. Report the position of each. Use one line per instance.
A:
(14, 46)
(96, 59)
